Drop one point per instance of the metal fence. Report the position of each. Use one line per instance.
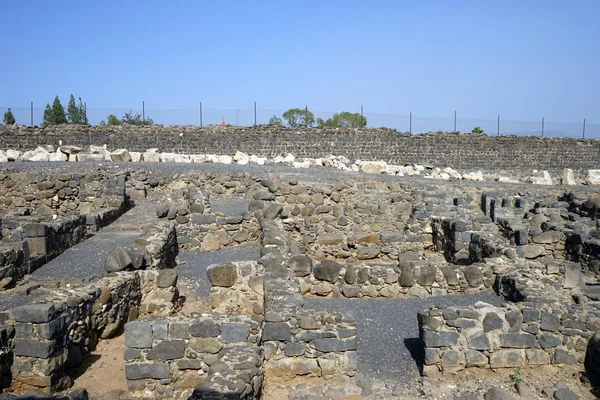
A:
(257, 116)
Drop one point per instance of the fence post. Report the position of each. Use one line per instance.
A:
(542, 126)
(498, 124)
(143, 113)
(584, 128)
(31, 109)
(254, 113)
(361, 111)
(410, 123)
(200, 114)
(306, 116)
(454, 121)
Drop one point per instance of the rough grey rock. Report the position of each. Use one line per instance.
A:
(167, 350)
(118, 259)
(277, 331)
(327, 270)
(138, 334)
(301, 265)
(205, 328)
(233, 333)
(492, 322)
(497, 393)
(166, 278)
(36, 313)
(147, 371)
(224, 275)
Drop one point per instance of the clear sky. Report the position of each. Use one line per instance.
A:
(520, 59)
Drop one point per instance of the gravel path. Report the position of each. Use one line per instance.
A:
(388, 332)
(85, 260)
(196, 263)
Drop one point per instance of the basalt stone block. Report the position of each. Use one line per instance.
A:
(327, 270)
(166, 278)
(563, 356)
(537, 357)
(225, 275)
(301, 265)
(277, 331)
(179, 330)
(293, 349)
(507, 359)
(273, 211)
(36, 313)
(167, 350)
(427, 276)
(330, 345)
(492, 322)
(203, 219)
(206, 328)
(233, 333)
(118, 259)
(138, 334)
(440, 339)
(549, 322)
(548, 340)
(479, 342)
(205, 345)
(35, 230)
(473, 275)
(515, 320)
(147, 371)
(33, 348)
(307, 336)
(475, 359)
(392, 237)
(530, 315)
(517, 340)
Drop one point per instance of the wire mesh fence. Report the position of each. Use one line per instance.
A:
(258, 116)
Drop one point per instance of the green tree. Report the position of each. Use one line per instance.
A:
(275, 120)
(113, 120)
(9, 118)
(343, 120)
(299, 117)
(136, 119)
(76, 113)
(477, 129)
(55, 115)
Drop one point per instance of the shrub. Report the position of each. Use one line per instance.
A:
(135, 119)
(275, 121)
(344, 119)
(477, 129)
(9, 118)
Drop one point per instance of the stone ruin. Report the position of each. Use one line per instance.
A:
(341, 237)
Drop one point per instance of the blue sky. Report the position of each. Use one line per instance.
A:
(520, 59)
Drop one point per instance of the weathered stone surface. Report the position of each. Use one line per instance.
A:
(479, 342)
(427, 276)
(473, 275)
(547, 340)
(233, 333)
(167, 350)
(440, 339)
(138, 334)
(224, 275)
(507, 359)
(327, 270)
(531, 251)
(517, 340)
(277, 331)
(205, 328)
(492, 322)
(205, 345)
(147, 371)
(301, 265)
(33, 348)
(497, 393)
(329, 345)
(549, 322)
(118, 259)
(166, 278)
(36, 313)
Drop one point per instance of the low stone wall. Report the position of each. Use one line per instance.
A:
(299, 341)
(54, 336)
(213, 356)
(418, 278)
(210, 232)
(511, 337)
(60, 194)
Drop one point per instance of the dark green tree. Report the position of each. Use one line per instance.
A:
(113, 120)
(55, 115)
(9, 118)
(136, 119)
(344, 119)
(299, 117)
(477, 129)
(76, 113)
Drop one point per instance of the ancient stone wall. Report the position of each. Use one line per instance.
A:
(512, 337)
(169, 357)
(53, 336)
(463, 152)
